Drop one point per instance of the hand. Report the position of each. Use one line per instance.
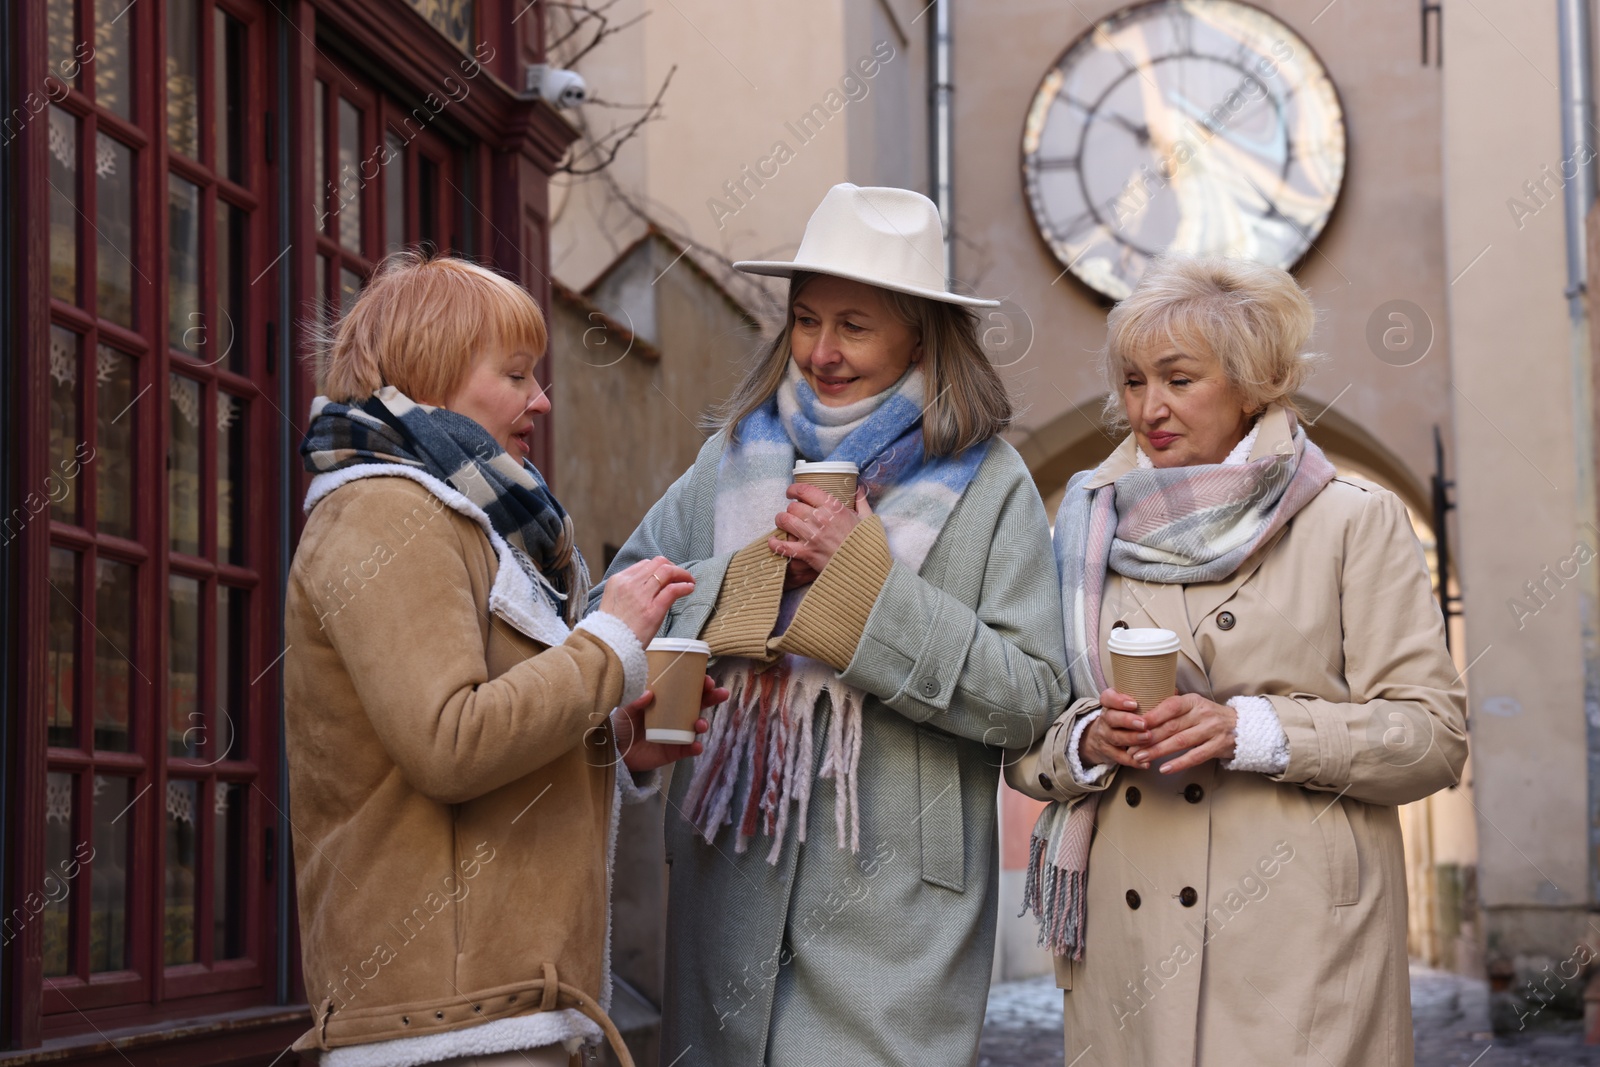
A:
(817, 525)
(1192, 722)
(1113, 736)
(641, 755)
(641, 595)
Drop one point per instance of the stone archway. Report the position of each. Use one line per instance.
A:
(1077, 440)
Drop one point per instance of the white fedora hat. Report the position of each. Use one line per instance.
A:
(891, 238)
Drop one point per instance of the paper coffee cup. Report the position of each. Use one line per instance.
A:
(1144, 664)
(837, 479)
(677, 670)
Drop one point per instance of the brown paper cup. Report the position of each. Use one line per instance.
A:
(1147, 679)
(677, 673)
(837, 479)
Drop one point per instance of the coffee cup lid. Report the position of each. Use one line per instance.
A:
(1144, 641)
(679, 644)
(826, 467)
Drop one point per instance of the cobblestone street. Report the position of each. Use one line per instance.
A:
(1023, 1028)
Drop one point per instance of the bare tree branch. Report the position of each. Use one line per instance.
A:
(608, 145)
(581, 15)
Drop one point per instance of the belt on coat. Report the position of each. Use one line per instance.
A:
(333, 1029)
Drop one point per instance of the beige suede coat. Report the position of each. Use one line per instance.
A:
(1237, 918)
(452, 782)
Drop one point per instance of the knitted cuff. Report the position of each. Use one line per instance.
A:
(617, 636)
(636, 788)
(1093, 774)
(833, 615)
(747, 603)
(1260, 744)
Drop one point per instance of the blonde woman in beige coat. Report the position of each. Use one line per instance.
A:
(1243, 900)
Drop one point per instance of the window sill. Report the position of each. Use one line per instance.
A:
(249, 1031)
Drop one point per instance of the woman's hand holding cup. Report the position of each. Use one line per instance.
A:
(640, 755)
(817, 524)
(641, 595)
(1116, 734)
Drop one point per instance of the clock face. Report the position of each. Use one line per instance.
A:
(1202, 126)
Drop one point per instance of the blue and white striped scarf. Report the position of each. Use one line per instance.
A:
(913, 494)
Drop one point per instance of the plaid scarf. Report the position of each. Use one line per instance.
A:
(1178, 525)
(389, 427)
(760, 751)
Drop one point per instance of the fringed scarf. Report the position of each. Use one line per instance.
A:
(758, 756)
(1177, 525)
(389, 427)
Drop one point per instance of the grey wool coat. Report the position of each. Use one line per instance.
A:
(881, 957)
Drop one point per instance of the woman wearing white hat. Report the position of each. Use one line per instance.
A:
(832, 853)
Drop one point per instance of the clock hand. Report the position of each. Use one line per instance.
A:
(1139, 131)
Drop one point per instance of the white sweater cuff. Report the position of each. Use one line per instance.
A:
(1260, 745)
(637, 788)
(620, 639)
(1074, 761)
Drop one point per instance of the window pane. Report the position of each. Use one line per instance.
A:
(349, 175)
(229, 117)
(113, 83)
(113, 171)
(108, 910)
(230, 675)
(61, 652)
(182, 802)
(63, 205)
(227, 901)
(62, 30)
(227, 332)
(56, 917)
(113, 654)
(183, 72)
(428, 201)
(230, 478)
(319, 151)
(113, 450)
(185, 727)
(185, 329)
(62, 482)
(349, 289)
(394, 193)
(183, 466)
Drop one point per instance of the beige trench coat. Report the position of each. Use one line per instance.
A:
(1236, 918)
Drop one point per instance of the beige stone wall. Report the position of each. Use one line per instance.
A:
(624, 420)
(1513, 358)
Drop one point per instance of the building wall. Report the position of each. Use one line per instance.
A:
(1516, 442)
(740, 89)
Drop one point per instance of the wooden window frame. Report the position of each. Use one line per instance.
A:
(149, 990)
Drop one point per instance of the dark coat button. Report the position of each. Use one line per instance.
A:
(1045, 783)
(1187, 896)
(930, 688)
(1132, 897)
(1120, 624)
(1132, 796)
(1193, 793)
(1225, 620)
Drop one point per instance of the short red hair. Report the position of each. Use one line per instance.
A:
(419, 325)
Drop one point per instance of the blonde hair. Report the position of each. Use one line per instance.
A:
(419, 325)
(1253, 318)
(966, 401)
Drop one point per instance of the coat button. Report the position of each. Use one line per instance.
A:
(1187, 896)
(1193, 793)
(1120, 624)
(1045, 783)
(1132, 897)
(1225, 620)
(1132, 796)
(930, 688)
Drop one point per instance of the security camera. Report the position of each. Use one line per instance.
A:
(562, 88)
